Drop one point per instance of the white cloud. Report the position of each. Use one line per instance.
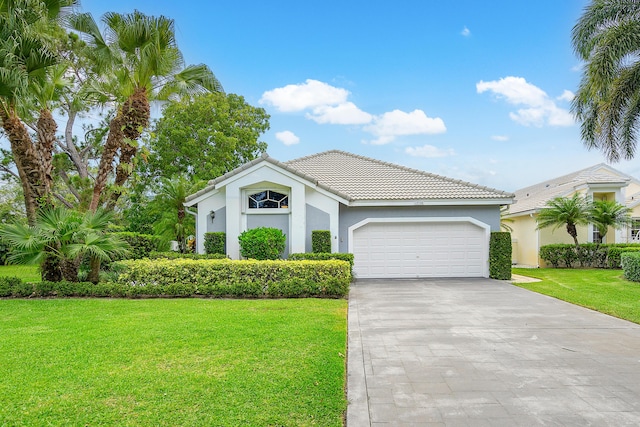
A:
(500, 137)
(287, 137)
(298, 97)
(429, 151)
(388, 126)
(465, 32)
(567, 95)
(539, 108)
(346, 113)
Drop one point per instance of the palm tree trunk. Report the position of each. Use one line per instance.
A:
(69, 268)
(27, 162)
(47, 128)
(106, 161)
(571, 229)
(94, 270)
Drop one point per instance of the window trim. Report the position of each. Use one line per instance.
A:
(247, 192)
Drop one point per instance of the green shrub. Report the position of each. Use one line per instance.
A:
(320, 241)
(227, 278)
(142, 244)
(7, 285)
(178, 255)
(500, 255)
(322, 256)
(613, 259)
(631, 265)
(559, 253)
(215, 242)
(592, 255)
(262, 243)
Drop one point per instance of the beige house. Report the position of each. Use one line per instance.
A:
(599, 182)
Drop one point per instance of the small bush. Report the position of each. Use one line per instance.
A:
(322, 256)
(227, 278)
(613, 259)
(321, 241)
(631, 265)
(178, 255)
(143, 244)
(215, 242)
(8, 284)
(262, 243)
(500, 255)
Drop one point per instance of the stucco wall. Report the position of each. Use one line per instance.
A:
(316, 220)
(524, 240)
(219, 223)
(352, 215)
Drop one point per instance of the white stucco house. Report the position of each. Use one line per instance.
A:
(398, 222)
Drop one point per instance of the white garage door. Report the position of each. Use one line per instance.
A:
(419, 249)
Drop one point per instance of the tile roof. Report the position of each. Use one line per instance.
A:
(536, 196)
(364, 178)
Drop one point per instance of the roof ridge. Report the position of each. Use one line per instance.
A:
(408, 169)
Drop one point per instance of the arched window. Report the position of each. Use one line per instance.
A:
(268, 199)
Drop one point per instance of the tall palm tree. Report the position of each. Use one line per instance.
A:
(174, 224)
(567, 211)
(609, 213)
(139, 61)
(62, 237)
(606, 38)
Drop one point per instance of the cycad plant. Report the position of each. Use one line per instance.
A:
(609, 213)
(61, 238)
(567, 211)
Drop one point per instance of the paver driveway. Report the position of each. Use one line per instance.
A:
(476, 352)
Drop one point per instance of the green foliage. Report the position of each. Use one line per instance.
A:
(227, 278)
(606, 103)
(567, 211)
(215, 242)
(631, 265)
(321, 241)
(142, 244)
(206, 136)
(262, 243)
(586, 255)
(322, 256)
(8, 284)
(178, 255)
(609, 213)
(500, 255)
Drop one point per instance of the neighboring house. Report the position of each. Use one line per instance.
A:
(599, 182)
(398, 222)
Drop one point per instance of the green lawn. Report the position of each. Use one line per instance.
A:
(606, 291)
(28, 273)
(187, 362)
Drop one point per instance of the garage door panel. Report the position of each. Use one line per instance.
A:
(420, 249)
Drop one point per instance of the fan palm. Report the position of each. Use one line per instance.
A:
(62, 237)
(567, 211)
(139, 61)
(609, 213)
(607, 103)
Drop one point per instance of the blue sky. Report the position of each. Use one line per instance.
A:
(478, 91)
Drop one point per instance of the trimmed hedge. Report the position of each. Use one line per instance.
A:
(588, 254)
(631, 265)
(500, 255)
(227, 278)
(142, 244)
(215, 242)
(262, 243)
(178, 255)
(320, 241)
(322, 256)
(9, 286)
(16, 288)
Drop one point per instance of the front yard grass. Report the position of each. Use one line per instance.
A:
(28, 273)
(606, 291)
(169, 362)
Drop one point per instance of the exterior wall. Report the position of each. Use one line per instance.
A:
(280, 221)
(524, 238)
(316, 220)
(352, 215)
(215, 202)
(219, 223)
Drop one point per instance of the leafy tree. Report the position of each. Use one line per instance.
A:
(609, 213)
(567, 211)
(137, 60)
(206, 136)
(608, 100)
(64, 237)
